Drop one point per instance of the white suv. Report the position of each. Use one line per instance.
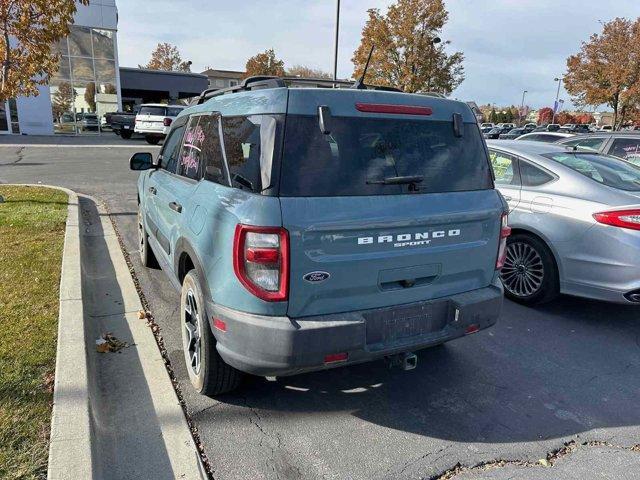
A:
(154, 120)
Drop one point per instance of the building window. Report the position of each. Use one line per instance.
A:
(84, 88)
(233, 83)
(13, 115)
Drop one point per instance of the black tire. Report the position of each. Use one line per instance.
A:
(126, 134)
(530, 274)
(209, 374)
(147, 257)
(151, 140)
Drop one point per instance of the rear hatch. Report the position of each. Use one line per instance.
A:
(151, 117)
(360, 240)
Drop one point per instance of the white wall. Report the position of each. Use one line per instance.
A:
(34, 113)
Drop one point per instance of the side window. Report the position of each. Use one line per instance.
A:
(533, 176)
(171, 149)
(504, 168)
(626, 148)
(173, 112)
(586, 143)
(249, 146)
(201, 152)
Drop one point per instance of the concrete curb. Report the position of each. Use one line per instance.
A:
(80, 435)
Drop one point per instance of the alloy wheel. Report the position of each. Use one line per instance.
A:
(192, 332)
(523, 271)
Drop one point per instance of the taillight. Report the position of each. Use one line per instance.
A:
(261, 261)
(505, 231)
(620, 218)
(393, 109)
(167, 122)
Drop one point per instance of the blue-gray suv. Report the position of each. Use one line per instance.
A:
(309, 228)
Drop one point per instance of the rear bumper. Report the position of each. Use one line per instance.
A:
(279, 346)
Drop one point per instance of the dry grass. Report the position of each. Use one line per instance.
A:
(32, 226)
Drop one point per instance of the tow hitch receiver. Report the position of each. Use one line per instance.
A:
(406, 361)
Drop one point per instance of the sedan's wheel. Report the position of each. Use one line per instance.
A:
(147, 258)
(529, 274)
(208, 372)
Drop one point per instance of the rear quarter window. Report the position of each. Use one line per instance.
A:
(360, 152)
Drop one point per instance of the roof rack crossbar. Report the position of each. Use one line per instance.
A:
(265, 81)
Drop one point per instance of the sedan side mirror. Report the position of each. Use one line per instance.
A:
(141, 161)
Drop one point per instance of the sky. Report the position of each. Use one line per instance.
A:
(509, 45)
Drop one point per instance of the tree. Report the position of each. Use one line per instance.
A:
(90, 96)
(545, 115)
(265, 63)
(28, 28)
(406, 53)
(606, 70)
(63, 99)
(565, 117)
(307, 72)
(584, 118)
(167, 57)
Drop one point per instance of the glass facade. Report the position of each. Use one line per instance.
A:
(85, 87)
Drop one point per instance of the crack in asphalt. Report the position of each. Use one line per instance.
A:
(19, 153)
(548, 462)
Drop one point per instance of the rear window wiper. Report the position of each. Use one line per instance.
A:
(406, 180)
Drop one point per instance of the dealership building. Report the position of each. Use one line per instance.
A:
(91, 83)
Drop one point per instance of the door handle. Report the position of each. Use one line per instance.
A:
(175, 207)
(152, 190)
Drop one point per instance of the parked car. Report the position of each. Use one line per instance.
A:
(607, 128)
(551, 127)
(87, 122)
(154, 120)
(496, 132)
(487, 125)
(574, 128)
(330, 232)
(513, 134)
(547, 137)
(619, 144)
(575, 217)
(123, 123)
(506, 125)
(530, 126)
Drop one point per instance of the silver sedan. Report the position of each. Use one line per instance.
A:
(575, 217)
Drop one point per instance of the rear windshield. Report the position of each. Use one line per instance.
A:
(159, 111)
(606, 170)
(362, 156)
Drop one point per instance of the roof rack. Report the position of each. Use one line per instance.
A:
(264, 81)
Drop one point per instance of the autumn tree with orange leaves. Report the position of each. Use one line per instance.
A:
(28, 29)
(167, 57)
(265, 63)
(407, 54)
(607, 69)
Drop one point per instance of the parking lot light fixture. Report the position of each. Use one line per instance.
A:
(556, 104)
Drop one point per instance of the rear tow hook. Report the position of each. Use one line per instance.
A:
(406, 361)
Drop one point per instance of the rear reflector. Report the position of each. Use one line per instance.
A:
(219, 325)
(472, 329)
(620, 218)
(395, 109)
(336, 357)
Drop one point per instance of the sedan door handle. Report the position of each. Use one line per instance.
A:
(152, 190)
(175, 207)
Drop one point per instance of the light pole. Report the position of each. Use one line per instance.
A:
(335, 47)
(556, 105)
(524, 92)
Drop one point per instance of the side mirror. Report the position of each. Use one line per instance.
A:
(141, 161)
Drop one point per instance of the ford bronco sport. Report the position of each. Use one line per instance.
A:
(309, 228)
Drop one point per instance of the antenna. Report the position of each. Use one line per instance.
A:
(360, 83)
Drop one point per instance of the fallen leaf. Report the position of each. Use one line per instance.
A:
(544, 462)
(142, 314)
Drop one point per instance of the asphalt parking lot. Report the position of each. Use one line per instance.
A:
(564, 374)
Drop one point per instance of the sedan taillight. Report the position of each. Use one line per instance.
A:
(620, 218)
(167, 122)
(261, 261)
(505, 231)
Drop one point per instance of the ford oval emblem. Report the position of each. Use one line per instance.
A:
(316, 277)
